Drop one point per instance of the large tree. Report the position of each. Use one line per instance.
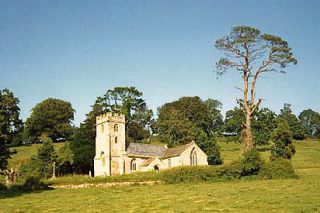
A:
(50, 118)
(295, 125)
(190, 118)
(252, 53)
(128, 101)
(311, 122)
(10, 124)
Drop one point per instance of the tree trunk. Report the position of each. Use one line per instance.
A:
(247, 134)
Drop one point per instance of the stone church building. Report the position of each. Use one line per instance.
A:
(113, 157)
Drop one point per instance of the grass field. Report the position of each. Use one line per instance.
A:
(293, 195)
(24, 153)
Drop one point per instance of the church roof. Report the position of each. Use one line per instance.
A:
(176, 151)
(151, 150)
(148, 161)
(147, 150)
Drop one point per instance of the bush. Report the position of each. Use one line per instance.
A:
(212, 150)
(229, 172)
(2, 187)
(33, 184)
(278, 169)
(282, 146)
(188, 174)
(251, 163)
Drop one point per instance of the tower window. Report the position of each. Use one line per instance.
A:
(102, 128)
(116, 140)
(116, 127)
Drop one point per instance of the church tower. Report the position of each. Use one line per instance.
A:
(110, 144)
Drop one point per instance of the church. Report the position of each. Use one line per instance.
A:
(114, 157)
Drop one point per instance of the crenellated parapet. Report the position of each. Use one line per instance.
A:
(110, 117)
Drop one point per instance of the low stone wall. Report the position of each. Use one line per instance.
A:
(102, 185)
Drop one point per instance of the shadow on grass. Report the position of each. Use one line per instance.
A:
(10, 193)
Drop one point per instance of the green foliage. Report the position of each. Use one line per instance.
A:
(233, 122)
(264, 123)
(65, 160)
(10, 125)
(251, 163)
(311, 122)
(245, 41)
(282, 146)
(40, 166)
(188, 174)
(213, 151)
(278, 169)
(295, 125)
(190, 118)
(3, 187)
(33, 184)
(215, 116)
(128, 101)
(83, 146)
(50, 118)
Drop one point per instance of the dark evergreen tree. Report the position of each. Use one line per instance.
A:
(282, 146)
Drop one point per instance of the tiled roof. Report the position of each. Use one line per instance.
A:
(148, 161)
(175, 151)
(148, 150)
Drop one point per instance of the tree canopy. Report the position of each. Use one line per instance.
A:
(311, 122)
(190, 118)
(128, 101)
(10, 124)
(50, 118)
(252, 53)
(295, 125)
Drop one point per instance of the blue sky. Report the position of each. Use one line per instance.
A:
(76, 50)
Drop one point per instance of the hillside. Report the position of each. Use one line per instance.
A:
(293, 195)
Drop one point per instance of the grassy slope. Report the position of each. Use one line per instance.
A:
(24, 153)
(301, 195)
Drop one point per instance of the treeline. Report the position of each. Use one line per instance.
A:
(176, 123)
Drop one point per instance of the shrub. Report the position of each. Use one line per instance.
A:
(212, 150)
(33, 184)
(282, 142)
(229, 172)
(278, 169)
(188, 174)
(2, 187)
(251, 163)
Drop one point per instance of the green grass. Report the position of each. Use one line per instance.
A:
(24, 153)
(291, 195)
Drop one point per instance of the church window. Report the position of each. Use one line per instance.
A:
(103, 160)
(116, 127)
(133, 165)
(193, 158)
(116, 140)
(169, 163)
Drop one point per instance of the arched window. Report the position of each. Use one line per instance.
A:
(193, 157)
(169, 163)
(102, 128)
(133, 165)
(116, 140)
(116, 127)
